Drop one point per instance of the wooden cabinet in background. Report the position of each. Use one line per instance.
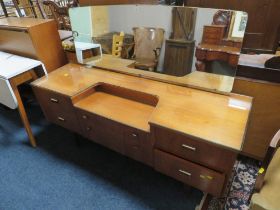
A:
(33, 38)
(262, 32)
(213, 34)
(178, 57)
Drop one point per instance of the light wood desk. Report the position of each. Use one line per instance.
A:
(32, 38)
(191, 135)
(15, 70)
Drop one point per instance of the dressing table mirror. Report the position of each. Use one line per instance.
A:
(197, 47)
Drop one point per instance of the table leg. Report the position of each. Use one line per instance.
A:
(23, 115)
(204, 203)
(200, 65)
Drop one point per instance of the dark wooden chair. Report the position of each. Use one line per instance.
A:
(58, 10)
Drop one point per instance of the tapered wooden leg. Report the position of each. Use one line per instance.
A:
(204, 203)
(23, 115)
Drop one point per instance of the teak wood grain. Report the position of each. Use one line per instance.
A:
(192, 174)
(120, 109)
(194, 150)
(32, 38)
(215, 118)
(150, 121)
(265, 117)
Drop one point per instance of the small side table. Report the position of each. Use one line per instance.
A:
(16, 70)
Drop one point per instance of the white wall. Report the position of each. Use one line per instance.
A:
(125, 17)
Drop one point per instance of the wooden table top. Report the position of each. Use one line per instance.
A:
(220, 48)
(197, 79)
(22, 22)
(216, 118)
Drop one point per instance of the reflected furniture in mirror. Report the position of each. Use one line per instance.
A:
(262, 33)
(221, 41)
(147, 47)
(172, 58)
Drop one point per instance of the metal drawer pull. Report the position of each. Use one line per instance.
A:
(134, 135)
(85, 117)
(88, 128)
(61, 119)
(184, 172)
(189, 147)
(206, 177)
(54, 100)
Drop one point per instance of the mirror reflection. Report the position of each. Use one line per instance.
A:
(164, 39)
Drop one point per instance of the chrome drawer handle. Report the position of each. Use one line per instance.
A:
(84, 117)
(61, 119)
(184, 172)
(134, 135)
(54, 100)
(189, 147)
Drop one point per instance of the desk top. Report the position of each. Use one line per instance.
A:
(220, 48)
(13, 65)
(215, 118)
(197, 79)
(21, 22)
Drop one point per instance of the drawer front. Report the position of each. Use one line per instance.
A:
(86, 122)
(202, 178)
(197, 151)
(57, 108)
(101, 130)
(138, 146)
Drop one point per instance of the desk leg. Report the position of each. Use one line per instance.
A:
(200, 65)
(204, 202)
(23, 115)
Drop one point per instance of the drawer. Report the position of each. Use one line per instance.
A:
(137, 145)
(101, 130)
(86, 122)
(57, 108)
(197, 176)
(198, 151)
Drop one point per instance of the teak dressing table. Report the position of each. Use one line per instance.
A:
(191, 135)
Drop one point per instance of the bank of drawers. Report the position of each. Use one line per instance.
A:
(129, 141)
(57, 108)
(213, 34)
(194, 150)
(182, 154)
(190, 173)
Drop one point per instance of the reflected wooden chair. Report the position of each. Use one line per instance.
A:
(148, 43)
(117, 44)
(266, 195)
(58, 10)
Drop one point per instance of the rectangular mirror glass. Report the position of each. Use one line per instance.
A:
(165, 40)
